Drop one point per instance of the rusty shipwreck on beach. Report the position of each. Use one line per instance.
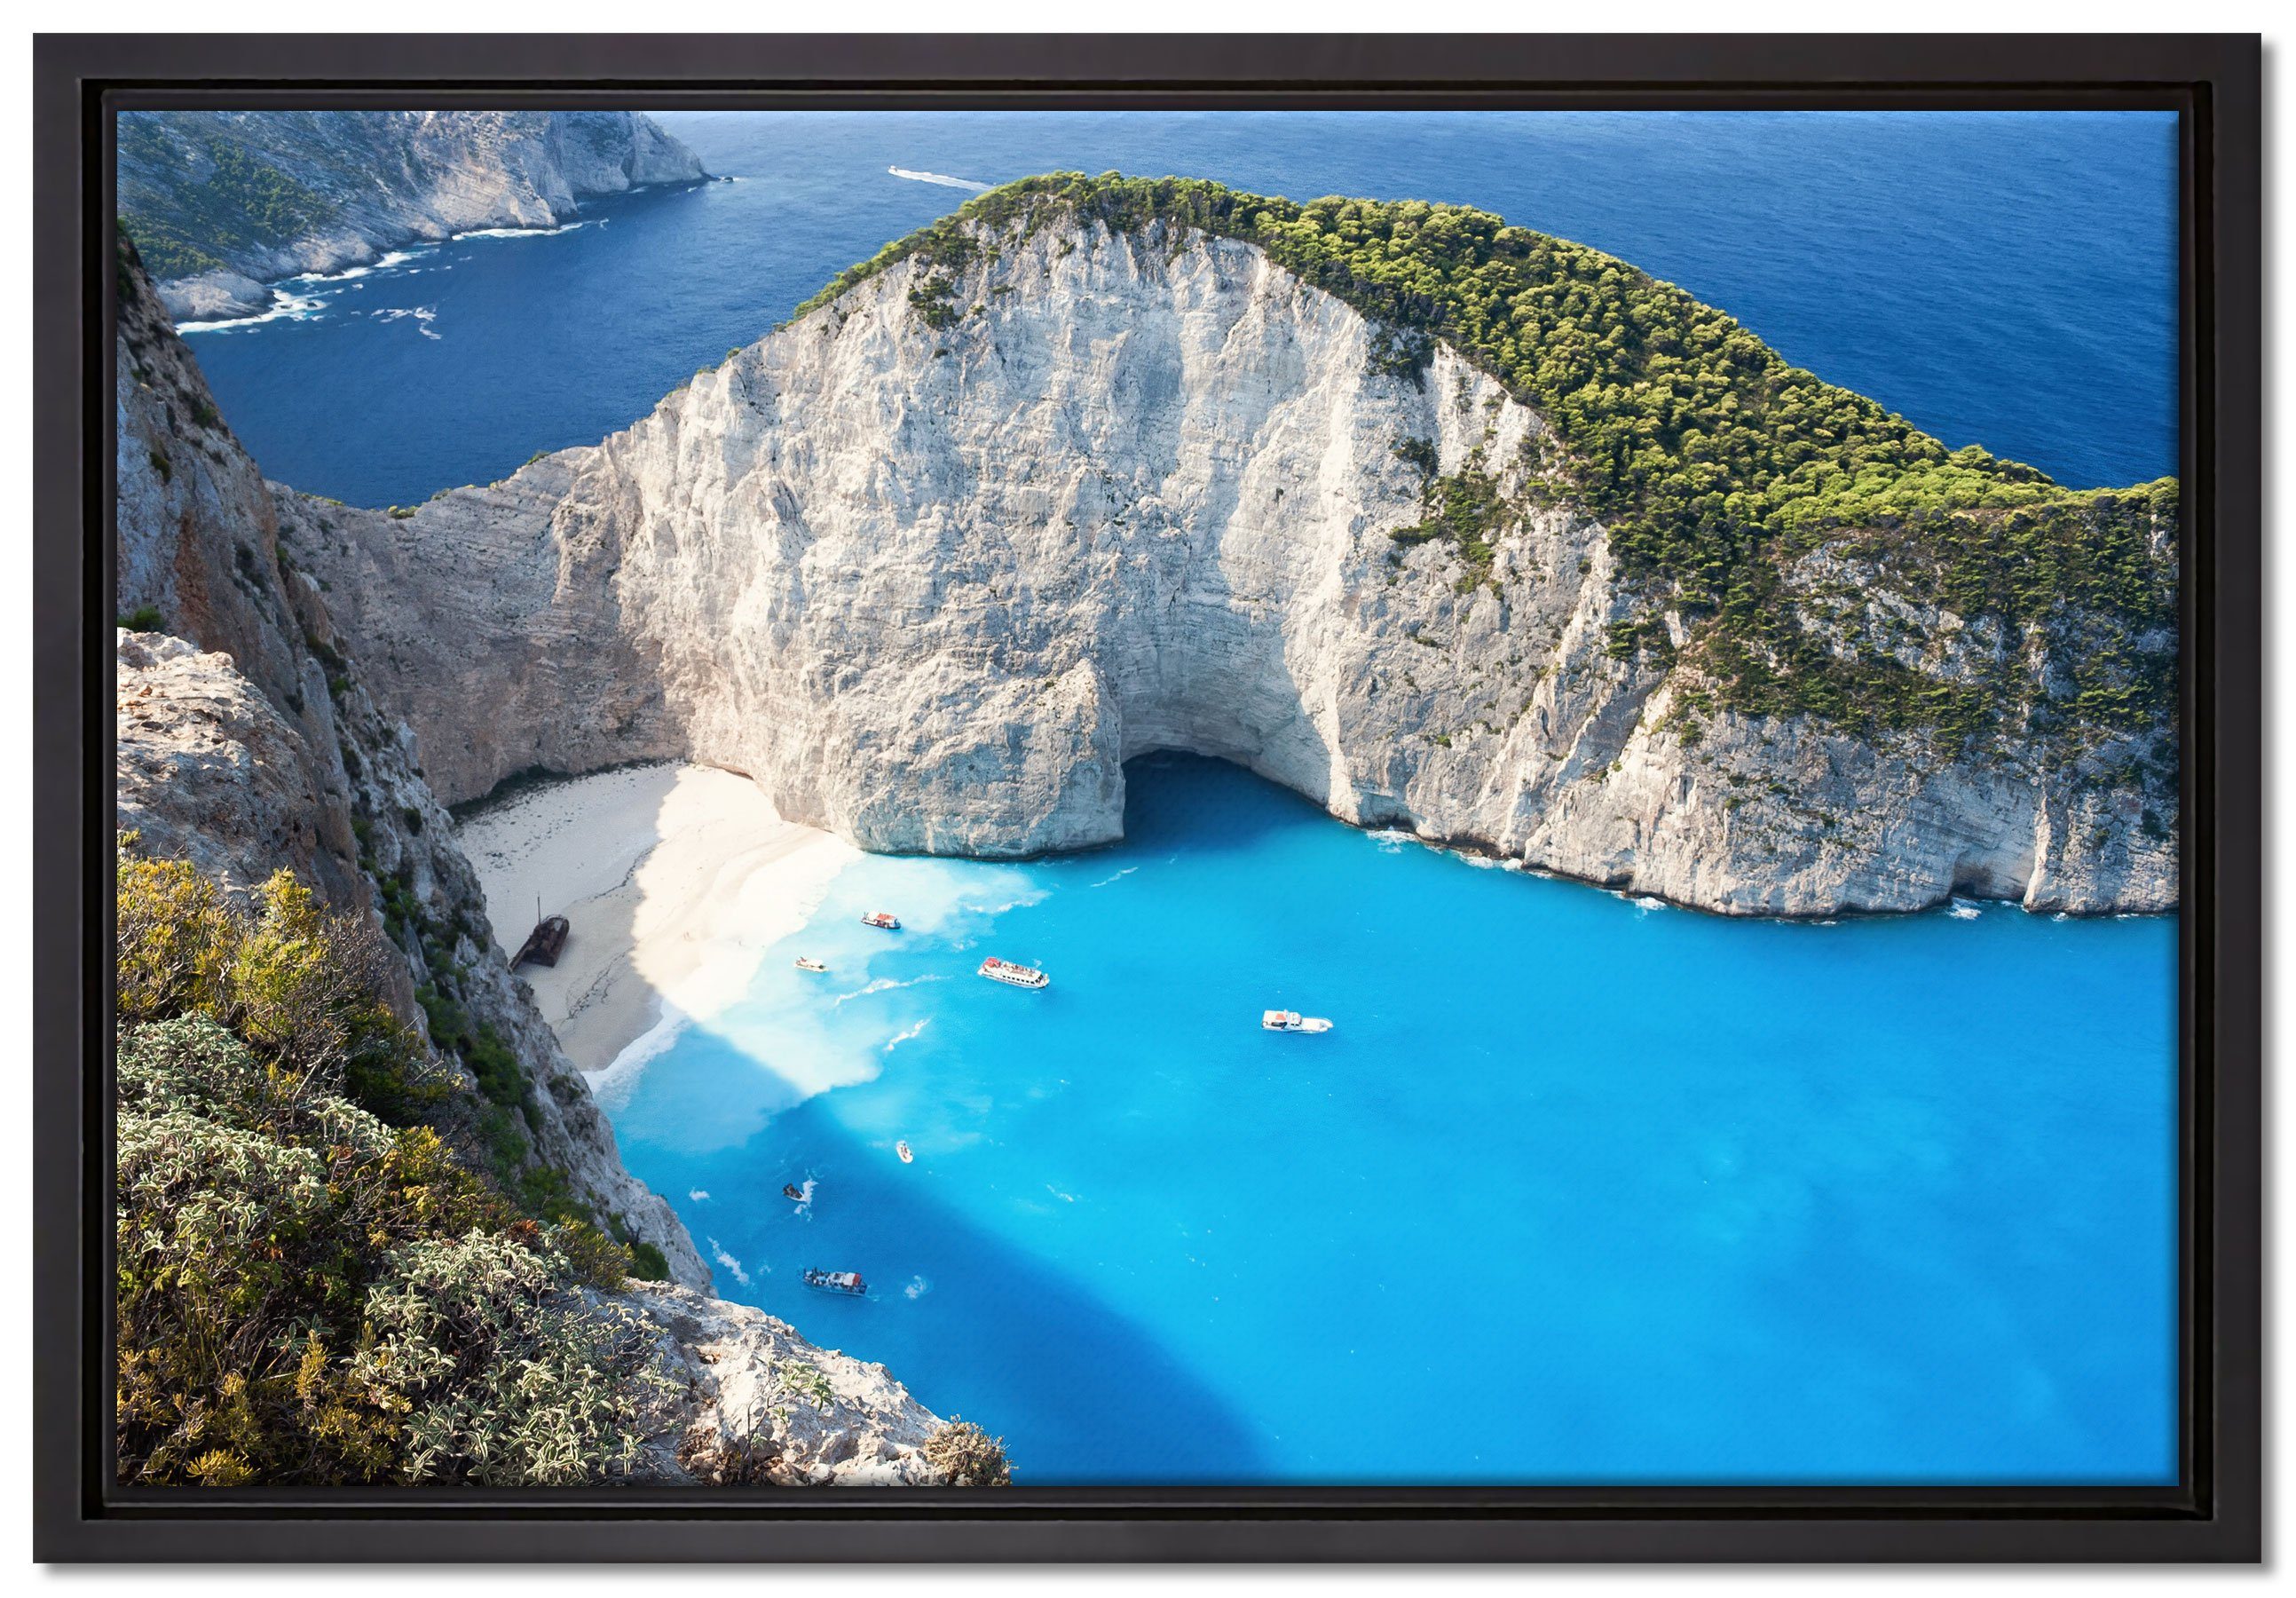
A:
(543, 944)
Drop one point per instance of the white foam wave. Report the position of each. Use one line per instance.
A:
(517, 233)
(942, 178)
(717, 1252)
(698, 1195)
(612, 1086)
(284, 306)
(380, 263)
(899, 1038)
(1964, 911)
(918, 1288)
(1648, 902)
(1105, 881)
(423, 316)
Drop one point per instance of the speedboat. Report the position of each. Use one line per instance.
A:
(806, 962)
(847, 1283)
(1020, 976)
(789, 1190)
(1291, 1021)
(884, 920)
(908, 1155)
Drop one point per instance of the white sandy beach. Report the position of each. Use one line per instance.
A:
(673, 878)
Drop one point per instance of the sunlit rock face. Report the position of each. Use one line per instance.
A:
(932, 562)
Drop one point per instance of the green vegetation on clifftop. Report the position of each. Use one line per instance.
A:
(220, 196)
(1719, 468)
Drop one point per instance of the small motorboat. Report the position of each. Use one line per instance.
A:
(884, 920)
(1018, 976)
(908, 1155)
(806, 962)
(845, 1283)
(789, 1190)
(1291, 1021)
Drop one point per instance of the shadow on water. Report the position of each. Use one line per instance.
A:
(1792, 1230)
(1165, 815)
(972, 1324)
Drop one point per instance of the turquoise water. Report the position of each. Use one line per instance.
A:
(2008, 279)
(1576, 1189)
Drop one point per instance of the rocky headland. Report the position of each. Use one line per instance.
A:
(224, 204)
(1098, 468)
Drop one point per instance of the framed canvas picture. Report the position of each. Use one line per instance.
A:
(1311, 798)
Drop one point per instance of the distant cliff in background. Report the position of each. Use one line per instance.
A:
(222, 204)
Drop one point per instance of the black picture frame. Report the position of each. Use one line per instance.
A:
(2213, 1514)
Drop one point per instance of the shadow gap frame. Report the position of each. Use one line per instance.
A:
(2213, 81)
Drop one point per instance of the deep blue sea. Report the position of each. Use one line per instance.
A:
(1576, 1189)
(2006, 279)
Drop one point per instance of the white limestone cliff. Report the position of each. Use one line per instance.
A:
(932, 586)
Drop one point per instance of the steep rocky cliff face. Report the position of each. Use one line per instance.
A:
(225, 202)
(246, 743)
(934, 560)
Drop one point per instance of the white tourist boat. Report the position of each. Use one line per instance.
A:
(907, 1154)
(1020, 976)
(885, 921)
(806, 962)
(846, 1282)
(1291, 1021)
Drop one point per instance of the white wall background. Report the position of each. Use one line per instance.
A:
(1017, 16)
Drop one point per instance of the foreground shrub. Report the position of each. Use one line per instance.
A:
(968, 1457)
(305, 1293)
(296, 984)
(506, 1379)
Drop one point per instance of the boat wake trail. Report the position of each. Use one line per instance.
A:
(942, 178)
(883, 984)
